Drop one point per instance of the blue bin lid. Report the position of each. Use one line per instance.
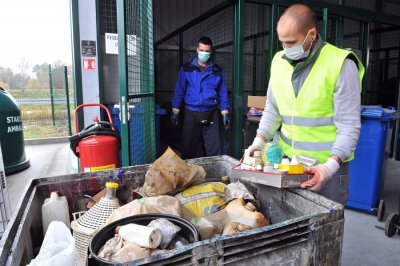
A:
(377, 112)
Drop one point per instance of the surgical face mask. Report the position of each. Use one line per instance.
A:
(297, 52)
(203, 56)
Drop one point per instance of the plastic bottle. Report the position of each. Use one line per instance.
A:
(258, 161)
(55, 208)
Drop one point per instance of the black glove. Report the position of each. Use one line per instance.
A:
(174, 119)
(227, 121)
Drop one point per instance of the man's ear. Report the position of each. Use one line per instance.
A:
(313, 34)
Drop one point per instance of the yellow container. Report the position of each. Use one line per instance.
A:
(292, 169)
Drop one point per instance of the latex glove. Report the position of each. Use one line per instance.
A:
(322, 174)
(258, 144)
(175, 117)
(227, 121)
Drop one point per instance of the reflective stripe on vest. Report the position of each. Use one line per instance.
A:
(307, 146)
(307, 119)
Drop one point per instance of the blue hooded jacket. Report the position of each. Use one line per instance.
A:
(202, 91)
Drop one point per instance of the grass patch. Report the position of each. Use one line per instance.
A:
(40, 94)
(44, 131)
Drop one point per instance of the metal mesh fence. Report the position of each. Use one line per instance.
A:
(42, 98)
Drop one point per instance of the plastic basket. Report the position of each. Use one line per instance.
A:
(84, 227)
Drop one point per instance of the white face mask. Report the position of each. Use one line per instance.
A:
(297, 52)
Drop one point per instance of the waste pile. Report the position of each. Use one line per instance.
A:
(172, 188)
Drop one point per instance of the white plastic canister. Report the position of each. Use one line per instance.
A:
(55, 208)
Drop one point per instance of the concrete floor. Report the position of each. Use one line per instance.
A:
(363, 244)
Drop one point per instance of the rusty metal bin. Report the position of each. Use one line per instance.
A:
(306, 229)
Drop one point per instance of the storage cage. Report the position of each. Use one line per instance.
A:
(306, 228)
(245, 40)
(5, 210)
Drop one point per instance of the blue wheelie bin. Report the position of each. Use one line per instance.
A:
(372, 151)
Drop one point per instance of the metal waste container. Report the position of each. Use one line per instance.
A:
(372, 151)
(306, 228)
(11, 134)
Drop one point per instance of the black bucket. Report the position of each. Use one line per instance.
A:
(188, 231)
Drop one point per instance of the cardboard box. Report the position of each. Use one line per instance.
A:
(270, 179)
(256, 101)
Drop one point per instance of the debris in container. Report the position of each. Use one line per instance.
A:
(177, 242)
(245, 213)
(204, 199)
(238, 191)
(235, 227)
(129, 251)
(55, 208)
(144, 236)
(168, 230)
(58, 248)
(111, 247)
(160, 204)
(169, 175)
(210, 225)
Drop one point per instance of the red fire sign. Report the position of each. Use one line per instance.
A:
(89, 64)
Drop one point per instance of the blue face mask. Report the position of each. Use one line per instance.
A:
(203, 56)
(297, 52)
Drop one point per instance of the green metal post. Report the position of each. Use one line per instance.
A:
(325, 24)
(238, 80)
(123, 82)
(272, 33)
(51, 96)
(147, 78)
(67, 97)
(76, 60)
(365, 58)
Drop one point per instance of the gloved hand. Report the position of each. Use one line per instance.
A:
(174, 119)
(322, 174)
(227, 121)
(258, 144)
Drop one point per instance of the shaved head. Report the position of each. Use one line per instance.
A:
(302, 16)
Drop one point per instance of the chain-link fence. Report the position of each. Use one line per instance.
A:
(43, 99)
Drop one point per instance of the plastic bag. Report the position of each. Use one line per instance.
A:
(58, 248)
(274, 154)
(168, 230)
(239, 191)
(160, 204)
(169, 175)
(204, 199)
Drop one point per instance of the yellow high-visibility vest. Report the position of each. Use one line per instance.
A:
(307, 120)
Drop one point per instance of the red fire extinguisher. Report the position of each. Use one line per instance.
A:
(97, 145)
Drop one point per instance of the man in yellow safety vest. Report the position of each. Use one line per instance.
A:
(314, 98)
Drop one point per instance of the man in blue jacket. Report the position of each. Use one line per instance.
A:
(201, 84)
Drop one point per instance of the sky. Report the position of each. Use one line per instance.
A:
(37, 30)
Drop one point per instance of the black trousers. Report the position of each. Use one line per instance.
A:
(193, 131)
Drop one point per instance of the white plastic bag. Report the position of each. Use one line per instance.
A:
(168, 230)
(58, 248)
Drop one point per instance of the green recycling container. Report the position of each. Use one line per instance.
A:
(11, 134)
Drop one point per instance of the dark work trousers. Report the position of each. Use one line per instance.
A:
(337, 188)
(193, 131)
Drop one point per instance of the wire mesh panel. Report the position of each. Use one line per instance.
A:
(42, 98)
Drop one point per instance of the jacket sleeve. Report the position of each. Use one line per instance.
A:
(223, 94)
(346, 113)
(180, 90)
(271, 119)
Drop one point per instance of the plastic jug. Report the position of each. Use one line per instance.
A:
(55, 208)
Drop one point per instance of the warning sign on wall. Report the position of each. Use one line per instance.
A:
(89, 64)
